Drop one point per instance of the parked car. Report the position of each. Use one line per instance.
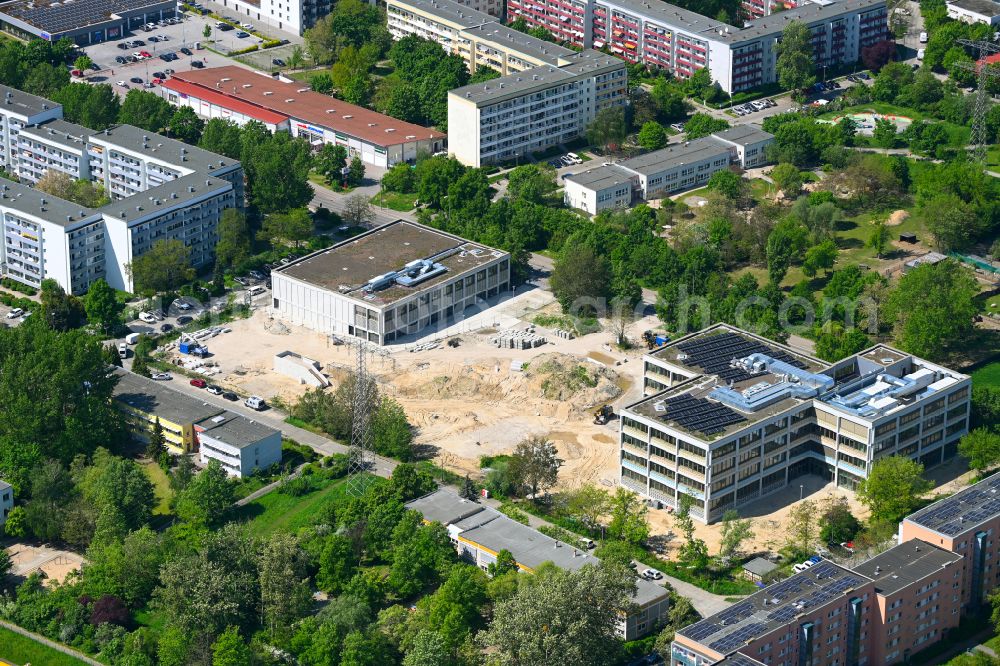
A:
(186, 51)
(241, 280)
(15, 313)
(166, 328)
(120, 60)
(277, 62)
(147, 317)
(255, 402)
(197, 64)
(124, 45)
(223, 27)
(576, 158)
(131, 58)
(159, 75)
(184, 319)
(214, 389)
(161, 376)
(256, 275)
(154, 39)
(677, 127)
(199, 383)
(652, 574)
(815, 559)
(229, 395)
(123, 84)
(848, 546)
(241, 34)
(145, 54)
(800, 567)
(181, 305)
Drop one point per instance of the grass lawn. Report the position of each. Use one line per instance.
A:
(319, 180)
(277, 511)
(161, 486)
(988, 375)
(395, 201)
(18, 649)
(958, 135)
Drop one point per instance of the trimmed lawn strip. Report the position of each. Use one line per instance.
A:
(161, 487)
(277, 511)
(22, 650)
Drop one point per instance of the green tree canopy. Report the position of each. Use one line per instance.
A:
(166, 266)
(933, 308)
(795, 64)
(145, 109)
(893, 486)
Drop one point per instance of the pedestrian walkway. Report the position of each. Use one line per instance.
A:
(50, 644)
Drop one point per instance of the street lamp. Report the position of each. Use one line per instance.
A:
(801, 490)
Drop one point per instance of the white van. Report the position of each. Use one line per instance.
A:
(131, 338)
(122, 350)
(255, 402)
(920, 54)
(256, 290)
(923, 38)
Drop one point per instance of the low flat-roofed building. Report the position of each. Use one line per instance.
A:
(975, 11)
(480, 532)
(83, 21)
(750, 142)
(918, 602)
(731, 416)
(928, 258)
(374, 137)
(241, 445)
(389, 282)
(144, 401)
(818, 616)
(756, 569)
(679, 166)
(600, 188)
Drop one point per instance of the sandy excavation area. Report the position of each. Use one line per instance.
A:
(468, 401)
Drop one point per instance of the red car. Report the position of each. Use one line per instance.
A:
(145, 54)
(200, 383)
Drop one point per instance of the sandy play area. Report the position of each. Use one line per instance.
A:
(54, 564)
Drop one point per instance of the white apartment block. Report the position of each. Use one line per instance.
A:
(680, 41)
(510, 117)
(975, 11)
(293, 16)
(241, 445)
(678, 167)
(160, 188)
(475, 36)
(731, 417)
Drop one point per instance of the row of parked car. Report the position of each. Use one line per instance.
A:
(569, 159)
(254, 402)
(754, 106)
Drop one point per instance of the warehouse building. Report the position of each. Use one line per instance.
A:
(681, 41)
(678, 167)
(159, 188)
(389, 282)
(83, 21)
(190, 425)
(730, 417)
(242, 95)
(479, 533)
(509, 118)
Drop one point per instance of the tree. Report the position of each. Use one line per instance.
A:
(670, 99)
(800, 533)
(788, 179)
(535, 465)
(297, 58)
(876, 56)
(588, 504)
(628, 517)
(953, 223)
(505, 563)
(322, 83)
(277, 168)
(400, 178)
(429, 649)
(234, 244)
(694, 552)
(230, 649)
(355, 172)
(735, 531)
(102, 306)
(981, 447)
(285, 593)
(578, 610)
(837, 523)
(358, 211)
(157, 445)
(468, 491)
(337, 564)
(83, 63)
(892, 488)
(93, 106)
(331, 160)
(607, 130)
(581, 280)
(391, 432)
(45, 80)
(703, 124)
(186, 125)
(932, 307)
(121, 494)
(62, 185)
(533, 183)
(652, 136)
(728, 183)
(293, 226)
(61, 311)
(820, 256)
(878, 238)
(207, 498)
(146, 110)
(164, 267)
(129, 569)
(206, 32)
(223, 137)
(884, 134)
(795, 64)
(785, 242)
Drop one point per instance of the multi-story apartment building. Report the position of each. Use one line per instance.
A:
(968, 524)
(881, 612)
(159, 188)
(6, 500)
(730, 417)
(661, 35)
(510, 117)
(475, 36)
(679, 166)
(479, 532)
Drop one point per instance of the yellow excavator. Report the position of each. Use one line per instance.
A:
(603, 414)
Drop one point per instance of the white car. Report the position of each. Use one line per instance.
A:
(652, 574)
(800, 567)
(15, 313)
(123, 84)
(147, 317)
(161, 376)
(182, 305)
(576, 158)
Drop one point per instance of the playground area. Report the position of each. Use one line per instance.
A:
(866, 120)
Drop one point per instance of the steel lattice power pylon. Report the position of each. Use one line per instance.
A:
(984, 72)
(362, 456)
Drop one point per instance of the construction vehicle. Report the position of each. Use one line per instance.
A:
(654, 339)
(603, 414)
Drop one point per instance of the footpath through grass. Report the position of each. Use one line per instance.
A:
(19, 650)
(277, 511)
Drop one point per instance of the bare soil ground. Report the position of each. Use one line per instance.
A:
(54, 564)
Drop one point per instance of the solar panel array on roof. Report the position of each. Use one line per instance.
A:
(964, 510)
(702, 630)
(57, 17)
(740, 659)
(713, 354)
(740, 637)
(699, 414)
